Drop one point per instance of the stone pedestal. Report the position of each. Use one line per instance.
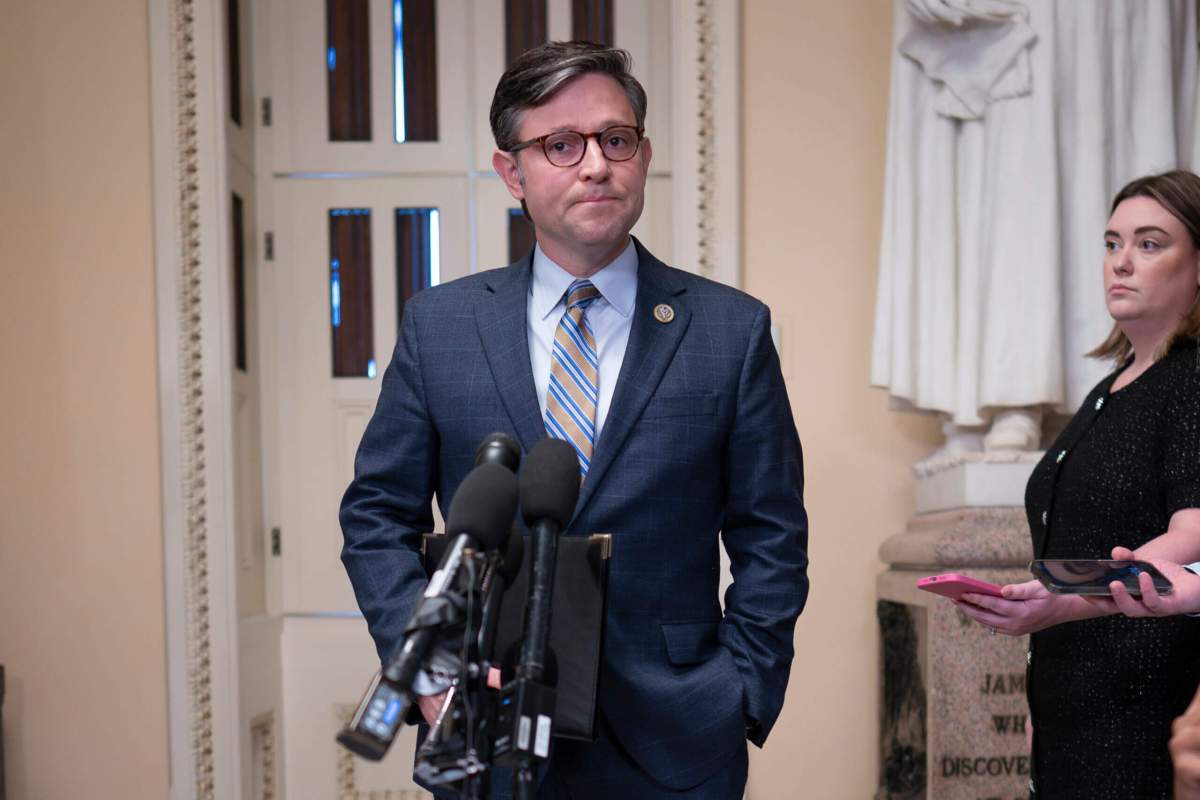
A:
(954, 705)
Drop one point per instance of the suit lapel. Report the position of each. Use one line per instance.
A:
(502, 321)
(651, 347)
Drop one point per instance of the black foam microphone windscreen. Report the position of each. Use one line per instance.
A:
(484, 506)
(549, 484)
(499, 448)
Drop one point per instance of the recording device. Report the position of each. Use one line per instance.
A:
(480, 519)
(549, 490)
(1093, 575)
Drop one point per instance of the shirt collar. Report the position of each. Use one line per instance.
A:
(616, 281)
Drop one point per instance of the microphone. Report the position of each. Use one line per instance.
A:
(499, 448)
(549, 489)
(480, 518)
(497, 579)
(445, 756)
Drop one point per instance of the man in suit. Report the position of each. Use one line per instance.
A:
(669, 387)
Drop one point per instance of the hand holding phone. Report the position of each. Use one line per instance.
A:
(1092, 576)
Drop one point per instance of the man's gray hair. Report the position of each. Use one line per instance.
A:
(540, 73)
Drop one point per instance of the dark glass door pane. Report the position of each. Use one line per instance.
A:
(415, 63)
(592, 21)
(524, 26)
(350, 293)
(234, 52)
(238, 240)
(418, 253)
(520, 235)
(348, 61)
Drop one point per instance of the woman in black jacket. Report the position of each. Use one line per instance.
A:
(1103, 688)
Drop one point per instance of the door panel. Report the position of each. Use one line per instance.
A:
(314, 421)
(322, 417)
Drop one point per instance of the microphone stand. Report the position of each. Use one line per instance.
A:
(469, 705)
(477, 783)
(536, 700)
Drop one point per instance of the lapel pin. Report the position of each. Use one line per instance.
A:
(664, 313)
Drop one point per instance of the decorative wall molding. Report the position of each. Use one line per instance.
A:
(347, 782)
(706, 78)
(264, 737)
(191, 396)
(195, 399)
(706, 168)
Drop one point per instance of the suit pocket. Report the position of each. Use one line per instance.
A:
(690, 642)
(681, 405)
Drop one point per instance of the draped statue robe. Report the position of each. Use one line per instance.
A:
(1011, 126)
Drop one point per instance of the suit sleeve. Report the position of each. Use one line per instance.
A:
(765, 533)
(388, 504)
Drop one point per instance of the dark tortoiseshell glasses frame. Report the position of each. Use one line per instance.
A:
(575, 144)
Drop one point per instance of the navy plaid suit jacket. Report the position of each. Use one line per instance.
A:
(699, 443)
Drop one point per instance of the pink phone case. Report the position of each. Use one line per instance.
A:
(954, 585)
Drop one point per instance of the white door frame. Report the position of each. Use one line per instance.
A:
(194, 356)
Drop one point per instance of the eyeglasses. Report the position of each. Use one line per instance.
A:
(567, 148)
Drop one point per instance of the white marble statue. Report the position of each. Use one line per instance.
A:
(1011, 126)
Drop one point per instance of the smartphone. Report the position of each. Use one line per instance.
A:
(1093, 575)
(954, 585)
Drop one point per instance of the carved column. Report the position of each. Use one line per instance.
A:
(954, 696)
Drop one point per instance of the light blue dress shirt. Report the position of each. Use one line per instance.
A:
(610, 316)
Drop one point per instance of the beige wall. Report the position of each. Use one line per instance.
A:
(815, 90)
(81, 577)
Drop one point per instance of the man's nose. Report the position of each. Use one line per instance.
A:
(594, 165)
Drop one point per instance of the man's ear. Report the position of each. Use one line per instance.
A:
(506, 167)
(647, 152)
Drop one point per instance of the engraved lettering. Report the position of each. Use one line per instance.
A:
(984, 766)
(1003, 683)
(1009, 723)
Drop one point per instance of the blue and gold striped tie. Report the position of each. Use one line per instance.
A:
(574, 368)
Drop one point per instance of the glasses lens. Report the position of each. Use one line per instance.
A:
(619, 144)
(564, 149)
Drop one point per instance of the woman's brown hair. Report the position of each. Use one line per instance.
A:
(1178, 191)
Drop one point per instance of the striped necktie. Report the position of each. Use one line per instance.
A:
(574, 369)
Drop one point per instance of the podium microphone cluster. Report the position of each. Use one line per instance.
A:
(480, 519)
